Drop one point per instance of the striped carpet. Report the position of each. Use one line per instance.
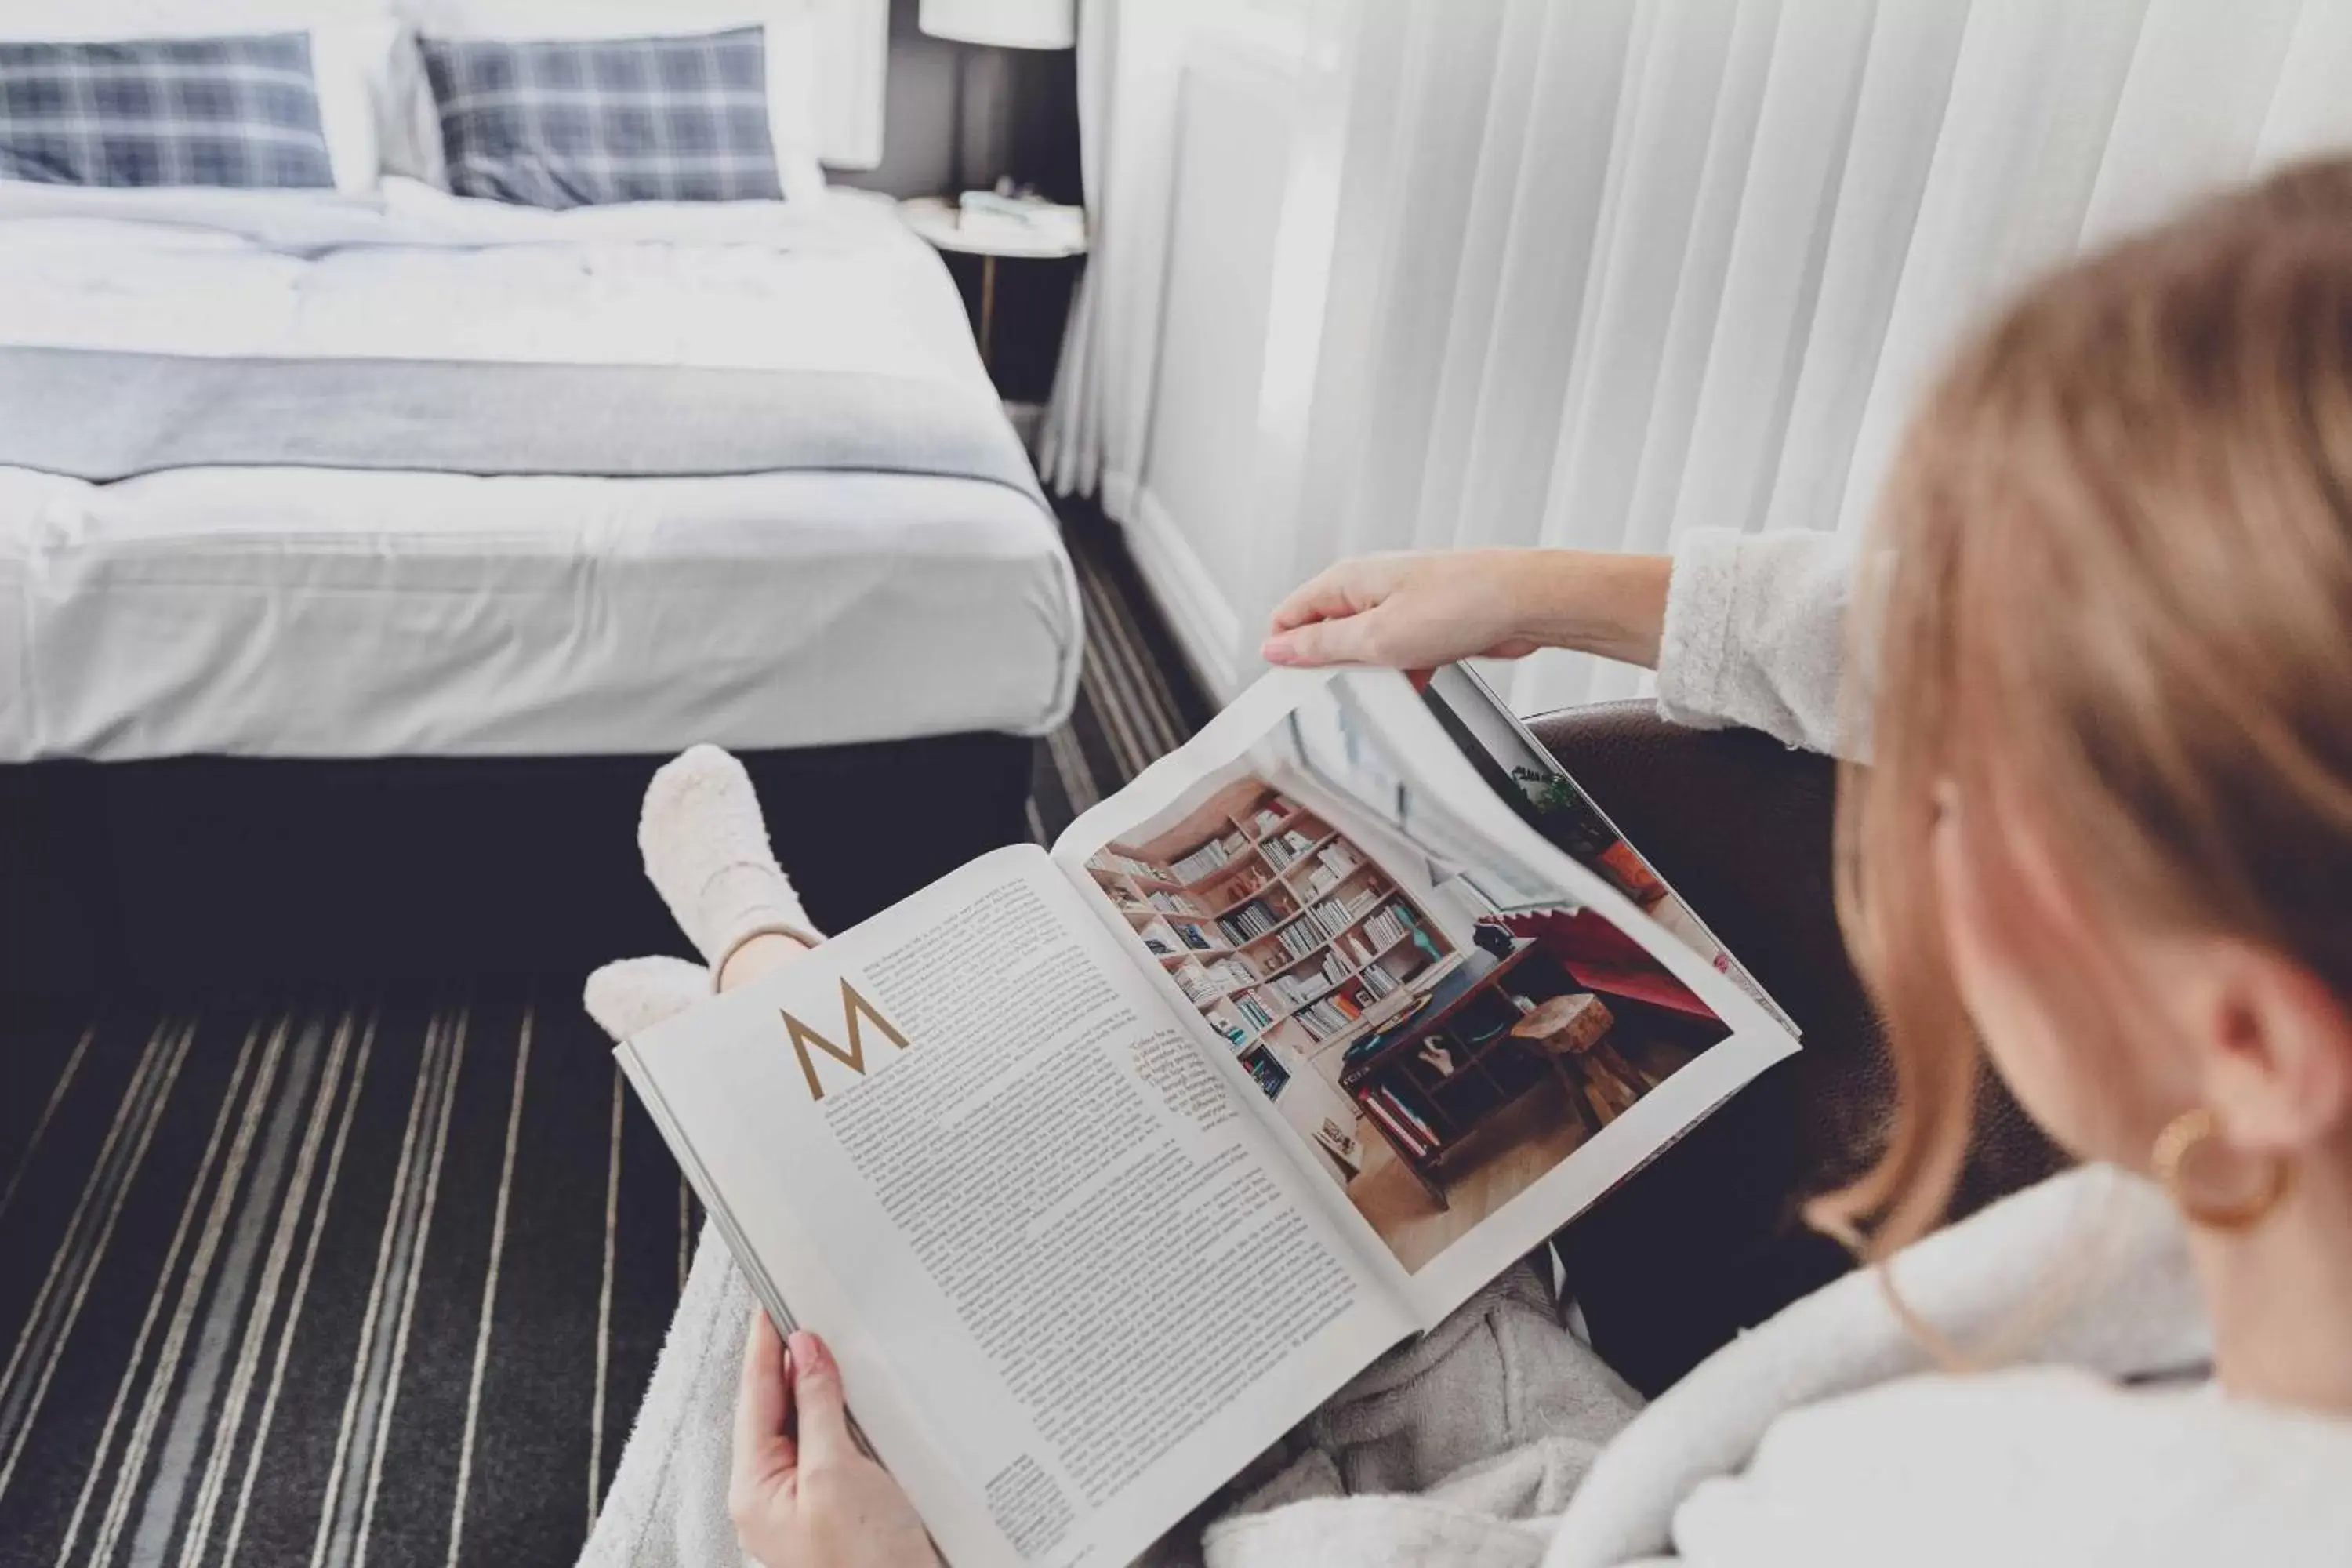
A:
(337, 1280)
(1136, 697)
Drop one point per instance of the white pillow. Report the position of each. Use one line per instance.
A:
(791, 42)
(354, 46)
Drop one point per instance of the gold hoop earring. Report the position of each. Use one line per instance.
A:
(2182, 1137)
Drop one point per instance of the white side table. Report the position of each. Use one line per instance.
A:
(938, 220)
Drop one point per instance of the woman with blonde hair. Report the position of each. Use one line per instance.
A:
(2103, 841)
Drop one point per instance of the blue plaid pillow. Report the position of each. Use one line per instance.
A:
(164, 112)
(585, 123)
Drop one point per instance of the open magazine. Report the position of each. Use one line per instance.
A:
(1102, 1167)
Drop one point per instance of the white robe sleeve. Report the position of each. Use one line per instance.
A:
(1755, 635)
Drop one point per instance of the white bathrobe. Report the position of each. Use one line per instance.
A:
(1818, 1439)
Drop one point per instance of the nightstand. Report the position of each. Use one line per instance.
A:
(938, 220)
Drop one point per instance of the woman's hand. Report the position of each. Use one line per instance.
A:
(1419, 611)
(812, 1501)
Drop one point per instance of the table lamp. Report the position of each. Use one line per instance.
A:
(997, 24)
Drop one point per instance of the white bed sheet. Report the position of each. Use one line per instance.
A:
(288, 612)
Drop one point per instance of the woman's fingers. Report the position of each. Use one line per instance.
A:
(1345, 641)
(1333, 592)
(763, 1453)
(816, 1390)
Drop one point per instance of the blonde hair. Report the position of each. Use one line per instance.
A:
(2107, 597)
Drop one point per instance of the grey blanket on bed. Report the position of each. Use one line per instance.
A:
(104, 417)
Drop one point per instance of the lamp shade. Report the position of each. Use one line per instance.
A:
(1007, 23)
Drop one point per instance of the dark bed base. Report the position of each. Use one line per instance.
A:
(213, 872)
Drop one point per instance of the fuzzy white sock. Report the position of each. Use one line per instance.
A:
(706, 852)
(632, 995)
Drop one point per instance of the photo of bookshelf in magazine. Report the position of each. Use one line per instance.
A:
(1441, 1031)
(1102, 1167)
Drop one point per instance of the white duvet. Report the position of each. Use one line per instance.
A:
(321, 612)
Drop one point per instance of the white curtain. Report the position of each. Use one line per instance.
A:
(1130, 60)
(1591, 272)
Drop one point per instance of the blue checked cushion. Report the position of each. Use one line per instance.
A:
(164, 112)
(585, 123)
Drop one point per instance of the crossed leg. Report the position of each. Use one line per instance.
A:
(707, 852)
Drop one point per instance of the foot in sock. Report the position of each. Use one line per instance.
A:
(706, 852)
(633, 994)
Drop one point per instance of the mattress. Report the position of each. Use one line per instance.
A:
(281, 611)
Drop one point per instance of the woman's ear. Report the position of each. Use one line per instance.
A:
(2275, 1045)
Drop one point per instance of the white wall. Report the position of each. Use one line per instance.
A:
(1195, 517)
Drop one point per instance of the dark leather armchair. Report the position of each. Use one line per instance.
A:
(1706, 1238)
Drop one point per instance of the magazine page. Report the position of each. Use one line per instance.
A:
(1516, 767)
(1469, 1035)
(1073, 1281)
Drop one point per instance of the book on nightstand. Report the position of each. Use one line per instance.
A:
(1102, 1165)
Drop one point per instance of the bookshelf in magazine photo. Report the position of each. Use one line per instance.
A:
(1433, 1053)
(1284, 935)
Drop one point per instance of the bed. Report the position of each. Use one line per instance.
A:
(359, 558)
